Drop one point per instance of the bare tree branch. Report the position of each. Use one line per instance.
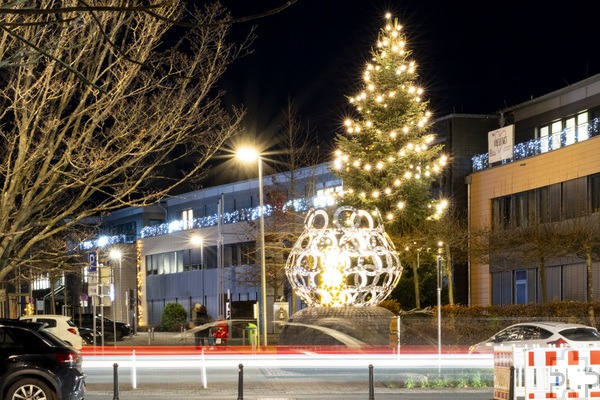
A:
(70, 151)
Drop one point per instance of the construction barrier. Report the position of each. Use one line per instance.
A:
(562, 373)
(508, 373)
(546, 373)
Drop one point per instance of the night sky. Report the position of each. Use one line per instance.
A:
(472, 57)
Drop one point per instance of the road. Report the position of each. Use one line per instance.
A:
(298, 376)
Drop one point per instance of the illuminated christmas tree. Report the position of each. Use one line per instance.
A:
(386, 158)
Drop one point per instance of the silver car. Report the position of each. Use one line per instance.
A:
(541, 333)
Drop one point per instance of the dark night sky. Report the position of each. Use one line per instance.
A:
(473, 57)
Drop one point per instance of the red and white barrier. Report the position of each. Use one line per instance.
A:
(508, 360)
(546, 373)
(562, 373)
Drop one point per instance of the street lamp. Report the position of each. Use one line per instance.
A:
(250, 155)
(116, 254)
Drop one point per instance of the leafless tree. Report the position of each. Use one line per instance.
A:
(287, 202)
(533, 244)
(61, 15)
(582, 237)
(452, 235)
(70, 150)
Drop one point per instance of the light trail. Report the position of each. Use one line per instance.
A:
(305, 360)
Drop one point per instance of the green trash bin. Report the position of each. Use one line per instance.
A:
(251, 330)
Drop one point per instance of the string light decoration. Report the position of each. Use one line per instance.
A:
(386, 157)
(343, 260)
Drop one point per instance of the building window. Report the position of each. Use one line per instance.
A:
(188, 219)
(543, 214)
(521, 286)
(544, 142)
(570, 131)
(595, 193)
(582, 126)
(555, 139)
(555, 202)
(521, 209)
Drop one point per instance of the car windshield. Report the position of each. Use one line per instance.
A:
(581, 334)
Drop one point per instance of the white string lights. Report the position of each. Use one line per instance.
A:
(386, 148)
(346, 259)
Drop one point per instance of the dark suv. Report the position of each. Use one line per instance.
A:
(36, 365)
(85, 321)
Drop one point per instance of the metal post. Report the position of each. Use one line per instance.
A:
(263, 267)
(240, 382)
(113, 306)
(398, 326)
(133, 370)
(120, 298)
(116, 381)
(127, 303)
(439, 309)
(204, 382)
(371, 389)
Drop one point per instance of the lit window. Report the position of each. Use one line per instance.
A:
(582, 127)
(188, 219)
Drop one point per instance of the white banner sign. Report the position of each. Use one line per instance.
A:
(500, 144)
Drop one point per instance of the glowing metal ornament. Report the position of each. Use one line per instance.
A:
(349, 260)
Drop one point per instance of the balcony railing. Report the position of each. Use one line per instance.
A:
(566, 137)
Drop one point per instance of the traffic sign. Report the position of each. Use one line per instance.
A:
(93, 278)
(92, 290)
(93, 261)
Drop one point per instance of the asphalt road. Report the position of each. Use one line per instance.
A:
(177, 374)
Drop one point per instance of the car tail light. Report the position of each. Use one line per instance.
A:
(67, 357)
(72, 330)
(560, 342)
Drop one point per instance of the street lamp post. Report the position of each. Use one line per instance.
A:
(248, 155)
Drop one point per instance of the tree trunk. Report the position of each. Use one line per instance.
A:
(52, 298)
(450, 276)
(589, 278)
(416, 282)
(543, 284)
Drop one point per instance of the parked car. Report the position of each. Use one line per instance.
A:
(557, 334)
(87, 335)
(36, 365)
(60, 325)
(85, 320)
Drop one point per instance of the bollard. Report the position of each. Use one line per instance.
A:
(204, 384)
(371, 390)
(150, 334)
(133, 371)
(241, 383)
(116, 381)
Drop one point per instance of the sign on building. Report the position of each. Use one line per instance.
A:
(500, 144)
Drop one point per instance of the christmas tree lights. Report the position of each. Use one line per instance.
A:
(386, 156)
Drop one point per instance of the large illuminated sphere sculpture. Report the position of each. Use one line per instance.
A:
(342, 266)
(346, 259)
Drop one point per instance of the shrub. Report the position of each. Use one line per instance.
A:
(392, 305)
(173, 317)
